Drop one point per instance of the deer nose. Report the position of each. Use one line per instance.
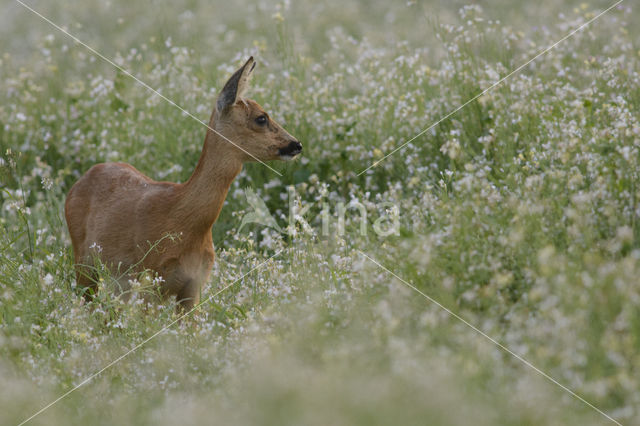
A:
(294, 148)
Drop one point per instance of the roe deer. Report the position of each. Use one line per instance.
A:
(122, 212)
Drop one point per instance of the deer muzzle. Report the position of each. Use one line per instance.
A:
(288, 152)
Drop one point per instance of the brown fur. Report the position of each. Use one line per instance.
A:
(124, 212)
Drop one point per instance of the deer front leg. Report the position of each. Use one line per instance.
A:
(188, 296)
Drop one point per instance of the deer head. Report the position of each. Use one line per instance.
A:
(247, 124)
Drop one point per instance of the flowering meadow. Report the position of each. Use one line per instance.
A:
(438, 287)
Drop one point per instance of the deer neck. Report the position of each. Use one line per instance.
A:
(203, 195)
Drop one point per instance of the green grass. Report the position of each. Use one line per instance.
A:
(519, 213)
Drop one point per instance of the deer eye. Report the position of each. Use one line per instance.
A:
(261, 120)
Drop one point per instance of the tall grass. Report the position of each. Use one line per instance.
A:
(519, 213)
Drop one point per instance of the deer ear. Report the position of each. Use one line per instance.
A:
(235, 87)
